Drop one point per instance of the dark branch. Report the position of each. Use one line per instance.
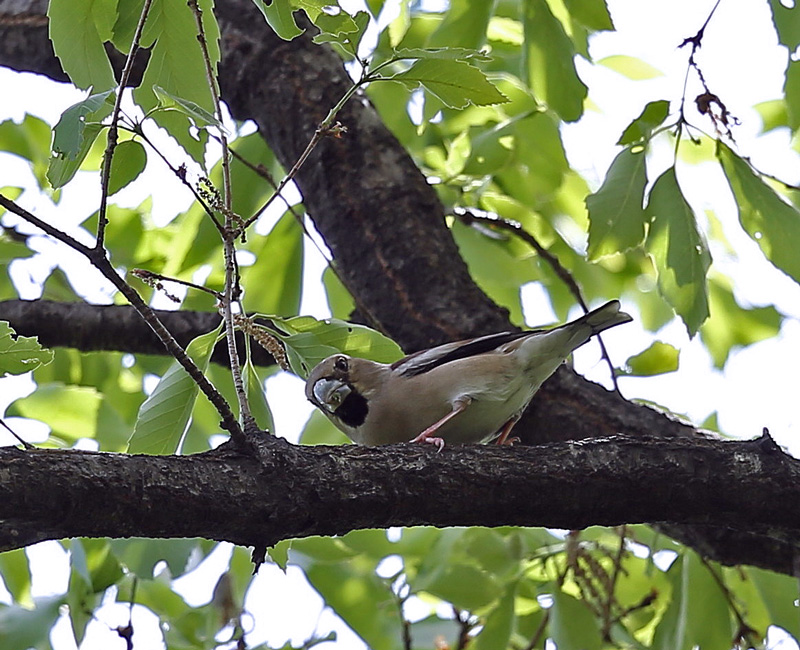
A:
(294, 491)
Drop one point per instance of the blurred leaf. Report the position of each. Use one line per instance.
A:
(319, 430)
(308, 341)
(71, 412)
(572, 624)
(698, 613)
(680, 252)
(773, 114)
(342, 31)
(591, 13)
(779, 594)
(30, 140)
(165, 413)
(549, 61)
(498, 623)
(767, 218)
(340, 302)
(140, 556)
(651, 117)
(128, 162)
(16, 573)
(787, 23)
(630, 67)
(659, 358)
(464, 24)
(78, 44)
(731, 326)
(617, 217)
(19, 354)
(273, 284)
(22, 628)
(455, 83)
(254, 389)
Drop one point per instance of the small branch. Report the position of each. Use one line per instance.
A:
(105, 173)
(469, 216)
(744, 631)
(99, 260)
(232, 289)
(24, 443)
(155, 279)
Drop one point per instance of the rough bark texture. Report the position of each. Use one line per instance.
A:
(283, 491)
(386, 230)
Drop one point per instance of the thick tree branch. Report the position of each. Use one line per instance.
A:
(291, 491)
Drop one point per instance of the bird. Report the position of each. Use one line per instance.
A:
(470, 391)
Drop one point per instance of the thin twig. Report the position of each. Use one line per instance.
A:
(744, 631)
(468, 217)
(24, 443)
(105, 174)
(609, 600)
(149, 276)
(539, 631)
(229, 236)
(104, 266)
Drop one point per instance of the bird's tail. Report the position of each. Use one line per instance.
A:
(596, 321)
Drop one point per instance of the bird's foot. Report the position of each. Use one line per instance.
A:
(428, 437)
(508, 442)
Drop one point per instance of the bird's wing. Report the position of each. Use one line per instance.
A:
(426, 360)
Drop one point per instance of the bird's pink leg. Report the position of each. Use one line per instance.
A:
(503, 438)
(427, 435)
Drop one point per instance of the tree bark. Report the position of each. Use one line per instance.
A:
(283, 491)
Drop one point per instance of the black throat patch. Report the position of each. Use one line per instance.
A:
(353, 410)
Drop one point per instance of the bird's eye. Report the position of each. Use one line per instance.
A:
(340, 364)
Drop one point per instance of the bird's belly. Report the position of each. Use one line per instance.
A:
(483, 418)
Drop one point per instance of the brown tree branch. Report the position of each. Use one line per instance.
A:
(281, 493)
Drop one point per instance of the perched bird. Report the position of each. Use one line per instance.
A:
(468, 391)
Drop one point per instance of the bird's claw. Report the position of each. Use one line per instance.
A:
(429, 438)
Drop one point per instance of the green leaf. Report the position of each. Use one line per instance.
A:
(128, 162)
(572, 624)
(278, 14)
(779, 595)
(698, 614)
(630, 67)
(30, 140)
(767, 218)
(680, 252)
(256, 397)
(22, 628)
(549, 61)
(165, 413)
(78, 45)
(642, 127)
(16, 574)
(774, 114)
(68, 134)
(140, 556)
(658, 359)
(308, 341)
(464, 24)
(499, 623)
(343, 31)
(440, 54)
(455, 83)
(19, 354)
(71, 412)
(731, 326)
(616, 214)
(319, 430)
(199, 116)
(62, 169)
(273, 284)
(787, 23)
(590, 13)
(791, 91)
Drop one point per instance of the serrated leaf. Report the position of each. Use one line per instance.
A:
(653, 114)
(345, 34)
(440, 53)
(308, 341)
(658, 359)
(19, 354)
(455, 83)
(616, 214)
(78, 45)
(200, 116)
(165, 413)
(680, 251)
(549, 62)
(771, 221)
(630, 67)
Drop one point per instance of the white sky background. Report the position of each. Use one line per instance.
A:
(742, 64)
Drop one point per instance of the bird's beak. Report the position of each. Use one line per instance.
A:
(330, 393)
